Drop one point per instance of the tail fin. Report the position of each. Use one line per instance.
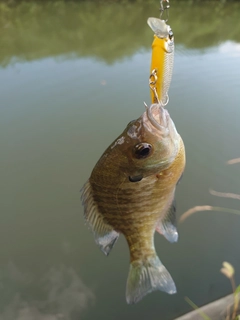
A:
(147, 276)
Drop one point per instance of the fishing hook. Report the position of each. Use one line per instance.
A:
(166, 9)
(152, 84)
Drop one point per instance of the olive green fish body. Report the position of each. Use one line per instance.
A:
(131, 191)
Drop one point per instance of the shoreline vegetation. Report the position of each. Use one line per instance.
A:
(108, 30)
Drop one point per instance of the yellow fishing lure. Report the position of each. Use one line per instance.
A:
(162, 60)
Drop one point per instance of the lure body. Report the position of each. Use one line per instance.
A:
(162, 58)
(131, 191)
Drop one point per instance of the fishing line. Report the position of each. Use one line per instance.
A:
(164, 9)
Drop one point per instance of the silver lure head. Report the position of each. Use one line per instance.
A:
(160, 28)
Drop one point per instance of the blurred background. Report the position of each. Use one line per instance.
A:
(72, 75)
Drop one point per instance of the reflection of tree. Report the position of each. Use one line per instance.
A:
(59, 294)
(110, 31)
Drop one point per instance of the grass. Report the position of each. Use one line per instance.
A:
(227, 269)
(189, 212)
(229, 272)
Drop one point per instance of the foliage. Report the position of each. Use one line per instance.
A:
(107, 30)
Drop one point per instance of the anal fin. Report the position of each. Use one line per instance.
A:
(104, 234)
(167, 226)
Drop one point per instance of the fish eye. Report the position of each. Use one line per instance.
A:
(142, 150)
(136, 178)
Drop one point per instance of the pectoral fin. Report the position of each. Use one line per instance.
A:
(167, 226)
(105, 236)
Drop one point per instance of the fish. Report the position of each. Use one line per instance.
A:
(162, 58)
(131, 191)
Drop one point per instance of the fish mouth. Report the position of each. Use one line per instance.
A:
(158, 116)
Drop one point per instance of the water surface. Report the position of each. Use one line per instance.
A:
(72, 75)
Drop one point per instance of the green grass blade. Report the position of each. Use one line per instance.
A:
(237, 291)
(195, 307)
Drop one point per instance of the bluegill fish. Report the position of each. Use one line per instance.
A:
(162, 58)
(131, 191)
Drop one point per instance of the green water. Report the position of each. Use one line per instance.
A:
(72, 75)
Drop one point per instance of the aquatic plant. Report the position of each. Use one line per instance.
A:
(234, 314)
(229, 272)
(192, 210)
(227, 269)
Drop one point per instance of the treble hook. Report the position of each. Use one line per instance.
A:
(162, 9)
(152, 84)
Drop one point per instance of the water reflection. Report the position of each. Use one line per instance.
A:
(54, 128)
(107, 31)
(59, 294)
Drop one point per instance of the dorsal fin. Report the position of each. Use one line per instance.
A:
(167, 226)
(104, 234)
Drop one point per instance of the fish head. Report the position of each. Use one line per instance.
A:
(151, 143)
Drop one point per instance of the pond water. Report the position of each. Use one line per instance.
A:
(72, 75)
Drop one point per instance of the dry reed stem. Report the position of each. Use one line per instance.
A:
(233, 161)
(224, 194)
(189, 212)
